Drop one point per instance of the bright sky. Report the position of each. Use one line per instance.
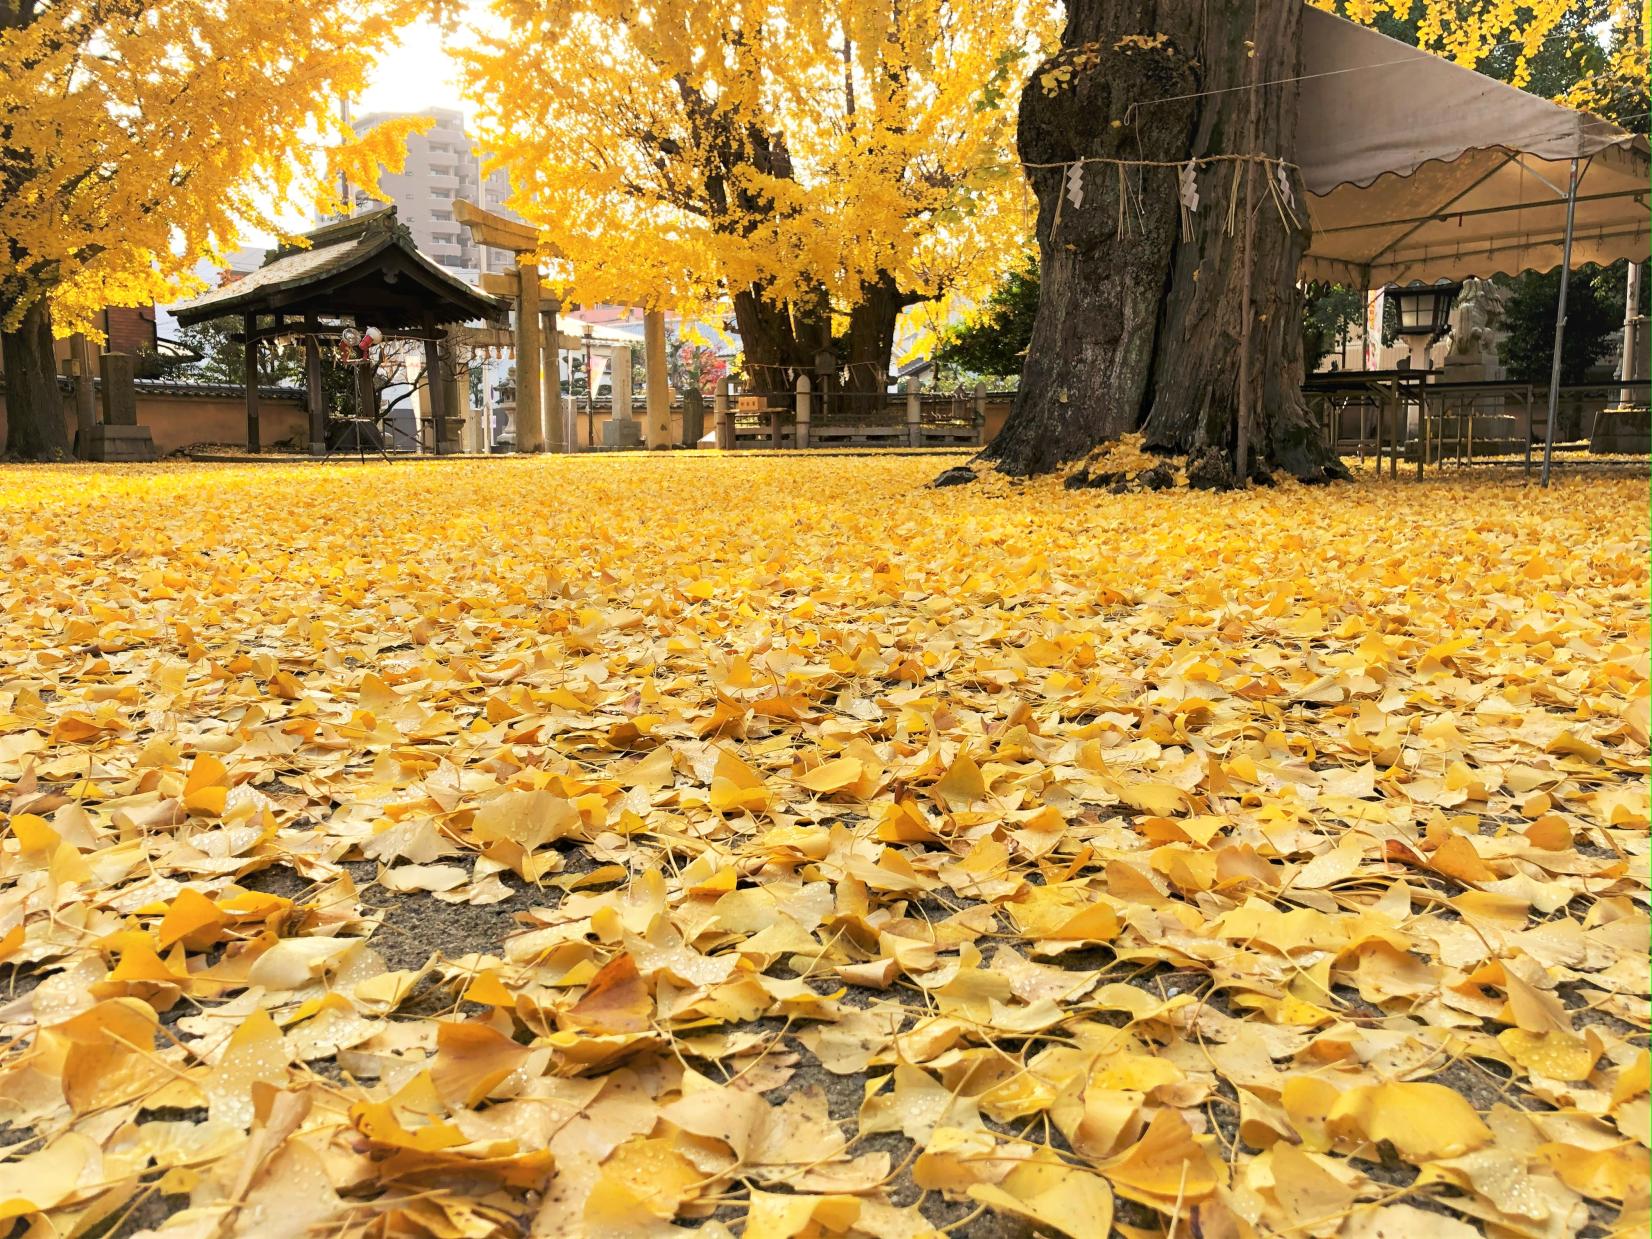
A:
(415, 76)
(411, 77)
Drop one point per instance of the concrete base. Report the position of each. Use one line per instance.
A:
(1622, 430)
(621, 432)
(120, 443)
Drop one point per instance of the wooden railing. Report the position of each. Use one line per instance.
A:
(841, 418)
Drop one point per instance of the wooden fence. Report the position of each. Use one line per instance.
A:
(810, 419)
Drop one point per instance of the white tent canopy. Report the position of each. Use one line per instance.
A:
(1419, 169)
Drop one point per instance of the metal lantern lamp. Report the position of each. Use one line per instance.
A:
(1424, 308)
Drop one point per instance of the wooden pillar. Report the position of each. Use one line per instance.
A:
(723, 416)
(314, 392)
(249, 359)
(658, 430)
(435, 388)
(556, 418)
(530, 428)
(456, 392)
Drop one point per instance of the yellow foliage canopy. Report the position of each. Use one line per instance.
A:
(803, 147)
(1468, 33)
(143, 137)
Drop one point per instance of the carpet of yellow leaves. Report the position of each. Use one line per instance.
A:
(865, 858)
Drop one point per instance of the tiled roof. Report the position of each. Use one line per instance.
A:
(194, 391)
(334, 249)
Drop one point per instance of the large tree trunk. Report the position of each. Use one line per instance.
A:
(865, 349)
(1140, 324)
(34, 410)
(778, 338)
(1105, 242)
(783, 340)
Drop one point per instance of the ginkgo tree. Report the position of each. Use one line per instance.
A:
(138, 136)
(818, 165)
(1154, 327)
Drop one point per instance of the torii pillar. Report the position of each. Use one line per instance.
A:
(538, 374)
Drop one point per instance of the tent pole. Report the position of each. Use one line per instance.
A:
(1560, 323)
(1631, 334)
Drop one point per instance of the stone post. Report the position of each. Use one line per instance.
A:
(723, 416)
(120, 395)
(86, 411)
(118, 436)
(658, 428)
(530, 428)
(803, 393)
(694, 415)
(556, 421)
(914, 415)
(622, 429)
(980, 411)
(619, 380)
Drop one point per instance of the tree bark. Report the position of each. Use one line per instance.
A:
(777, 338)
(1105, 242)
(871, 339)
(35, 428)
(1140, 324)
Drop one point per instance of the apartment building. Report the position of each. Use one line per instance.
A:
(442, 166)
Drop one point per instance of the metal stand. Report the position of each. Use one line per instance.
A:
(355, 424)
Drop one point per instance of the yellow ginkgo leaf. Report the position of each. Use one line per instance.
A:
(1422, 1121)
(832, 776)
(1066, 1199)
(207, 786)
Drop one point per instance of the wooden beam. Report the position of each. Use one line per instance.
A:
(509, 284)
(314, 392)
(435, 389)
(484, 337)
(487, 228)
(249, 359)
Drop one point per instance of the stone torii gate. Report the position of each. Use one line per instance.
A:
(539, 343)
